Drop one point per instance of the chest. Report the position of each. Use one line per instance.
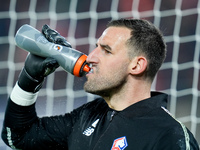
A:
(112, 131)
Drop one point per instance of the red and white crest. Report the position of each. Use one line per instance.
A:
(119, 144)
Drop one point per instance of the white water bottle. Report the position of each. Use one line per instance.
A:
(33, 41)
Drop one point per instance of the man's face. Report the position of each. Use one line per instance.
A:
(109, 62)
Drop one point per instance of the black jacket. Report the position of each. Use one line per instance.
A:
(145, 125)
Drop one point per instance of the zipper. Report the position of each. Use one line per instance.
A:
(111, 118)
(112, 115)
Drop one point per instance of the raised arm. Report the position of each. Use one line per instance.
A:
(22, 128)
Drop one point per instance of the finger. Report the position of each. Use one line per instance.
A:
(63, 42)
(54, 36)
(49, 33)
(49, 65)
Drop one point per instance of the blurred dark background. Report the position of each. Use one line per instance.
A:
(82, 22)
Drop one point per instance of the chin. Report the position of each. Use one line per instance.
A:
(100, 92)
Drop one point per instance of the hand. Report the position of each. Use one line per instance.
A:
(37, 68)
(54, 37)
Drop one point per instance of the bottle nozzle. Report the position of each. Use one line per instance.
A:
(86, 68)
(78, 68)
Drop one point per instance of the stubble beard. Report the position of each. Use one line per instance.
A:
(105, 85)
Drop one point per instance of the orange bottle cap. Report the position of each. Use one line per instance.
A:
(78, 65)
(86, 68)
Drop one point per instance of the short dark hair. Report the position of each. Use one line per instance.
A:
(145, 40)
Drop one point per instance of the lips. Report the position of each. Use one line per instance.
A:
(90, 72)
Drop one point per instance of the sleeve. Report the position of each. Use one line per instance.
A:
(178, 138)
(22, 129)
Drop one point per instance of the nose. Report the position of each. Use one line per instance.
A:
(93, 57)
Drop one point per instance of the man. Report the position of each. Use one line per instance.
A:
(128, 116)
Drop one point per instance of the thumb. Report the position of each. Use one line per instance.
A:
(49, 65)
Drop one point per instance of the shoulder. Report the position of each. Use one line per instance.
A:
(175, 135)
(177, 138)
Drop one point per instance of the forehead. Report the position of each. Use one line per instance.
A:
(117, 35)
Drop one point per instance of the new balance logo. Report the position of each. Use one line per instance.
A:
(90, 130)
(95, 123)
(119, 144)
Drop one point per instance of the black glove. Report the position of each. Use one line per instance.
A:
(37, 68)
(54, 37)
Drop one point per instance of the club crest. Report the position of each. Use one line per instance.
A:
(119, 144)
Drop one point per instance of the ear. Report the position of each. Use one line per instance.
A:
(138, 65)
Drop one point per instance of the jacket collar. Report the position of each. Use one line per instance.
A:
(141, 108)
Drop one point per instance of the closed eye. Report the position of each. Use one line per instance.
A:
(107, 51)
(106, 48)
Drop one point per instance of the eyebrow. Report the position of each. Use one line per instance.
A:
(106, 46)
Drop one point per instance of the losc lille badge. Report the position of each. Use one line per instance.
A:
(119, 144)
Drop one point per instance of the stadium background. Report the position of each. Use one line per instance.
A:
(82, 22)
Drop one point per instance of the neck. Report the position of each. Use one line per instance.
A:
(130, 93)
